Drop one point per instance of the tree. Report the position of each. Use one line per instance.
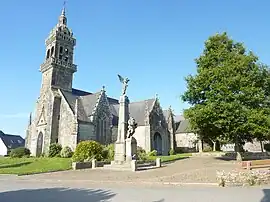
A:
(229, 95)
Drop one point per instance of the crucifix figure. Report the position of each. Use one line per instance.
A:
(124, 81)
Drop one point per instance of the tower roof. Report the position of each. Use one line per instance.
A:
(62, 18)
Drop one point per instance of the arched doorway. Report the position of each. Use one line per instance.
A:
(39, 144)
(158, 143)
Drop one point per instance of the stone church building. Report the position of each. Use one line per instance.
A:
(67, 116)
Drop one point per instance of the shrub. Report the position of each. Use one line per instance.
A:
(66, 152)
(207, 148)
(20, 152)
(55, 150)
(141, 154)
(172, 152)
(108, 152)
(87, 150)
(152, 153)
(179, 150)
(267, 147)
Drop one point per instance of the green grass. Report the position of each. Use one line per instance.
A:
(23, 166)
(171, 157)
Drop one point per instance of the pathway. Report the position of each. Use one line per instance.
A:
(195, 169)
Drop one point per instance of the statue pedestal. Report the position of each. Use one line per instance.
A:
(131, 148)
(119, 152)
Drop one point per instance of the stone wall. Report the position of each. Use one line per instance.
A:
(67, 136)
(42, 122)
(140, 135)
(186, 142)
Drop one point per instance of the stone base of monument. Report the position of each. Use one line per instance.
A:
(131, 148)
(122, 165)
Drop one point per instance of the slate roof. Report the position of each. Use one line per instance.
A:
(183, 127)
(12, 141)
(178, 118)
(87, 102)
(136, 110)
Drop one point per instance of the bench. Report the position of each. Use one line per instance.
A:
(256, 164)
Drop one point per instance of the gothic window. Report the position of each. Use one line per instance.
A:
(48, 54)
(104, 131)
(61, 49)
(53, 78)
(66, 58)
(52, 51)
(66, 50)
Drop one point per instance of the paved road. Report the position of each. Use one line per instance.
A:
(14, 190)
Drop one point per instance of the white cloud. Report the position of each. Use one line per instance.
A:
(14, 116)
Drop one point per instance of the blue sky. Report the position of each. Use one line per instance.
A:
(152, 42)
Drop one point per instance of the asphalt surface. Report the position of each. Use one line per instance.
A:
(13, 189)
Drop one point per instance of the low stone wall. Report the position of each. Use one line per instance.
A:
(214, 154)
(247, 155)
(154, 163)
(81, 165)
(134, 164)
(144, 164)
(245, 178)
(85, 165)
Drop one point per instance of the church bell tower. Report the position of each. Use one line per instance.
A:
(57, 74)
(58, 68)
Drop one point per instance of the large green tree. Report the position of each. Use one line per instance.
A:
(229, 95)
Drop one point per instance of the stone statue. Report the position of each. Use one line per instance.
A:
(124, 81)
(132, 125)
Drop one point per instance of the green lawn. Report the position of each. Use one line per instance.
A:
(22, 166)
(171, 157)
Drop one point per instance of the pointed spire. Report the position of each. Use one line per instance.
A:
(63, 19)
(103, 89)
(64, 9)
(30, 118)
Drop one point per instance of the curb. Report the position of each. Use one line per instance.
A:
(125, 182)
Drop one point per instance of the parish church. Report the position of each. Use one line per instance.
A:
(67, 116)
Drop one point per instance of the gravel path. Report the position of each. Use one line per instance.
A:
(191, 170)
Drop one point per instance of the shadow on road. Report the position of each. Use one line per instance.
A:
(57, 194)
(266, 197)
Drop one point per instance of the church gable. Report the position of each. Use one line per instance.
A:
(102, 106)
(156, 117)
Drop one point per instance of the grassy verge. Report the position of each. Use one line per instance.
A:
(23, 166)
(171, 157)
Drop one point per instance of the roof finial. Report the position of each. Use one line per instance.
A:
(64, 8)
(63, 19)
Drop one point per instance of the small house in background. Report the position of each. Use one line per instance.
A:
(8, 142)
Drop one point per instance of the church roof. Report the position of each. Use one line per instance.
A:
(12, 141)
(136, 109)
(87, 102)
(183, 127)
